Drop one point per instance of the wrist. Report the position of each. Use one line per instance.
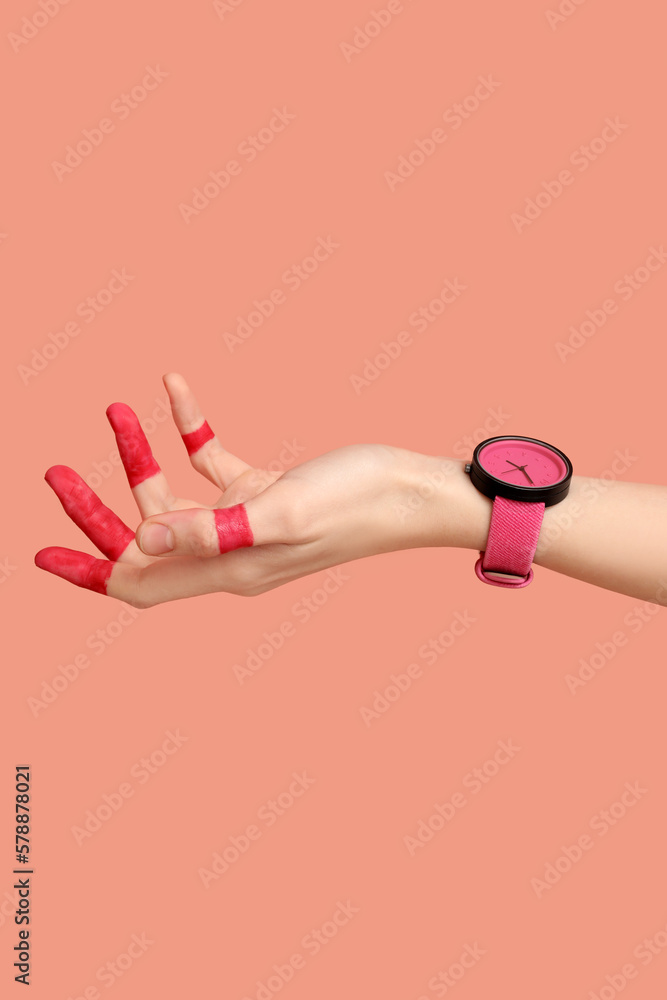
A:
(440, 506)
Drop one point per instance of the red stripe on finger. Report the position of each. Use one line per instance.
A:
(233, 527)
(104, 528)
(196, 439)
(77, 567)
(133, 446)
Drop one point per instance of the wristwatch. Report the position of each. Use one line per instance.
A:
(522, 476)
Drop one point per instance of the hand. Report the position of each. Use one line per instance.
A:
(266, 529)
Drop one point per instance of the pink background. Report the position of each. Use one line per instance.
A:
(171, 668)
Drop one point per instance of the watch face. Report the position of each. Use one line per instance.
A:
(523, 463)
(521, 468)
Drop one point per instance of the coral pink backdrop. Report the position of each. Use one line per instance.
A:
(263, 196)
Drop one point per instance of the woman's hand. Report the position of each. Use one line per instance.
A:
(266, 529)
(269, 528)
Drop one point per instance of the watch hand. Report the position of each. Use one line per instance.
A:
(518, 468)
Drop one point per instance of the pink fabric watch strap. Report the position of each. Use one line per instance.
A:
(510, 547)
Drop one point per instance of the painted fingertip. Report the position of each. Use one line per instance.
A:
(233, 527)
(156, 540)
(40, 558)
(119, 412)
(195, 440)
(61, 479)
(104, 528)
(135, 452)
(78, 568)
(65, 482)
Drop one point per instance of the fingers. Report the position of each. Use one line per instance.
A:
(103, 576)
(78, 567)
(147, 481)
(144, 587)
(197, 532)
(104, 528)
(206, 453)
(174, 579)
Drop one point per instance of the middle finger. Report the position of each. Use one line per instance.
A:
(148, 483)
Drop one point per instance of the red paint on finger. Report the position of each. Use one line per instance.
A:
(233, 527)
(104, 528)
(77, 567)
(135, 451)
(196, 439)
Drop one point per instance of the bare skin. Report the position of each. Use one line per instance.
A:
(359, 501)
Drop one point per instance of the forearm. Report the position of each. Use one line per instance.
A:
(609, 534)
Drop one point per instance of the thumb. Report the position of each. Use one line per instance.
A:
(197, 532)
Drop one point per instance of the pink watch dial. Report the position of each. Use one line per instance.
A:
(518, 462)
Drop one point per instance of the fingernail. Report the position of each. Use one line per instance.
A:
(156, 539)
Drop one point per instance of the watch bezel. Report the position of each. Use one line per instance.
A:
(492, 487)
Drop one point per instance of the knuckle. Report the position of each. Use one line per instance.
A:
(200, 461)
(293, 522)
(204, 540)
(141, 592)
(259, 479)
(249, 580)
